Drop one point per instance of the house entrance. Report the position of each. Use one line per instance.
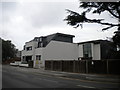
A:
(28, 58)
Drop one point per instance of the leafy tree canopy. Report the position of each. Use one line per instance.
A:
(8, 50)
(113, 8)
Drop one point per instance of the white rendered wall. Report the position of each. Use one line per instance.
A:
(56, 50)
(38, 51)
(31, 52)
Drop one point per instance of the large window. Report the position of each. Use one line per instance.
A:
(87, 52)
(40, 44)
(29, 48)
(38, 57)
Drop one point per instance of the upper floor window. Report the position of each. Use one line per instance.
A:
(40, 44)
(87, 52)
(29, 48)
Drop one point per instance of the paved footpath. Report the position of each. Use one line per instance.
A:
(77, 76)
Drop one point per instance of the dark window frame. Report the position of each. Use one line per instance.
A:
(38, 57)
(87, 50)
(29, 48)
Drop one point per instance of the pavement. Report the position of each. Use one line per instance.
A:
(77, 76)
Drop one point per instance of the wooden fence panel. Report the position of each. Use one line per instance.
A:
(114, 67)
(80, 66)
(85, 66)
(56, 65)
(67, 66)
(97, 67)
(47, 65)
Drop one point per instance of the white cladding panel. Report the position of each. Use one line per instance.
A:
(31, 43)
(96, 52)
(80, 50)
(39, 63)
(27, 53)
(30, 52)
(56, 50)
(92, 50)
(38, 51)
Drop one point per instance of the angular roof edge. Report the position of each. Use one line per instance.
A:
(67, 35)
(93, 41)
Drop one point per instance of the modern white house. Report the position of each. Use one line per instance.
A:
(60, 46)
(96, 50)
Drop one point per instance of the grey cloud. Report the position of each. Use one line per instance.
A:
(24, 21)
(8, 9)
(49, 14)
(9, 6)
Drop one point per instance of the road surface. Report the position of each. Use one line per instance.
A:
(13, 77)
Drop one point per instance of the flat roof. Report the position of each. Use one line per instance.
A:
(93, 41)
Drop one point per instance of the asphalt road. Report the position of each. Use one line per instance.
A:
(13, 77)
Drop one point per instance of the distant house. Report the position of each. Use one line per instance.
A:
(60, 46)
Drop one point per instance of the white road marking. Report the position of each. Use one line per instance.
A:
(85, 86)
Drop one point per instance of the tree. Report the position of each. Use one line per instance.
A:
(8, 50)
(113, 8)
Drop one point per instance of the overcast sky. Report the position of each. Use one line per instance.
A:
(22, 21)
